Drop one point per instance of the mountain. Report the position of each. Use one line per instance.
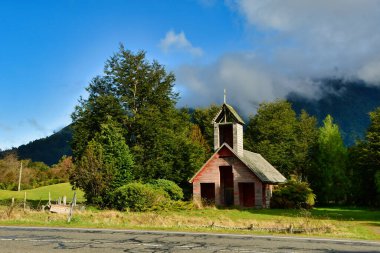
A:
(48, 150)
(348, 102)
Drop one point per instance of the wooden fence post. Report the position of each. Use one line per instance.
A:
(72, 207)
(24, 201)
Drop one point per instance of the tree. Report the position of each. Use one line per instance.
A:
(329, 177)
(167, 150)
(139, 96)
(272, 133)
(373, 139)
(203, 117)
(61, 170)
(305, 146)
(105, 165)
(365, 164)
(94, 111)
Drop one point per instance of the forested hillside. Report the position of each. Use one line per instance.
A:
(48, 150)
(348, 102)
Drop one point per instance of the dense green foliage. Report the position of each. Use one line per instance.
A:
(305, 147)
(203, 117)
(364, 160)
(138, 197)
(295, 146)
(137, 95)
(329, 176)
(293, 194)
(172, 189)
(105, 165)
(285, 141)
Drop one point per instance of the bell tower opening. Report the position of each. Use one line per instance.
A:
(226, 134)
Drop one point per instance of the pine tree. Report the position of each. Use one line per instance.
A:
(329, 177)
(305, 146)
(365, 164)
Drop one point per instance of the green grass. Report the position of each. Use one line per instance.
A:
(353, 223)
(42, 193)
(349, 223)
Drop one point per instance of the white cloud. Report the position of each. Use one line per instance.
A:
(324, 35)
(370, 72)
(306, 40)
(247, 80)
(179, 42)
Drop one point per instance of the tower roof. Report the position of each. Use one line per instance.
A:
(227, 112)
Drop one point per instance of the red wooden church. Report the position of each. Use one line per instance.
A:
(234, 176)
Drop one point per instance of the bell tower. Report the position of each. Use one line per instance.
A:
(228, 128)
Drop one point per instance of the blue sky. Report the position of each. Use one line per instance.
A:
(258, 50)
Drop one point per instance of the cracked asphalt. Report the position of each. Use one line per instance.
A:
(29, 239)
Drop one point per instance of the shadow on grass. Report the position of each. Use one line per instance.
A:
(373, 224)
(333, 213)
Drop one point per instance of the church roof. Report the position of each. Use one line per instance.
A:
(261, 167)
(227, 109)
(254, 162)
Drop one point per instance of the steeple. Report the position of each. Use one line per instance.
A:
(228, 128)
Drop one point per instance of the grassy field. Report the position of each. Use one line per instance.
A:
(354, 223)
(42, 193)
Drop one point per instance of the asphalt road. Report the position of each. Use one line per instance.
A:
(24, 239)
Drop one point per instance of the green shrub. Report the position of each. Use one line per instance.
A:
(293, 194)
(175, 192)
(138, 197)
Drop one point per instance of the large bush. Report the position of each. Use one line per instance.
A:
(138, 197)
(293, 194)
(175, 192)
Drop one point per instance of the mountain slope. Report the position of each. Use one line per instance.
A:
(348, 102)
(48, 150)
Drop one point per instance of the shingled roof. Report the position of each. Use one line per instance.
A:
(226, 108)
(262, 168)
(256, 163)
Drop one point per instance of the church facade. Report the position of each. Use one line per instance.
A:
(234, 176)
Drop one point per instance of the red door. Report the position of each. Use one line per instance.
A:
(247, 194)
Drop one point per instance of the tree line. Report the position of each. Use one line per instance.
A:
(296, 146)
(34, 174)
(129, 129)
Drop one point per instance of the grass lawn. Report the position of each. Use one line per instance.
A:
(42, 194)
(354, 223)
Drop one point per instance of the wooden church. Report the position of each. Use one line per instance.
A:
(234, 176)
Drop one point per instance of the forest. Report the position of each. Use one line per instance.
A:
(129, 129)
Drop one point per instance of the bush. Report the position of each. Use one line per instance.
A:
(138, 197)
(293, 194)
(175, 192)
